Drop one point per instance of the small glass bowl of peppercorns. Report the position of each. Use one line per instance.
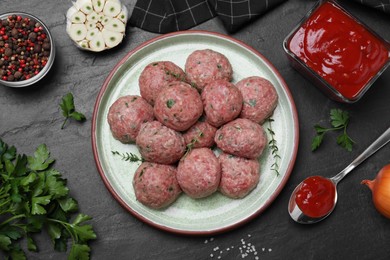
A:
(26, 49)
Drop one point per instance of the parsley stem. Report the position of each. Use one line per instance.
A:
(12, 219)
(63, 124)
(66, 226)
(5, 202)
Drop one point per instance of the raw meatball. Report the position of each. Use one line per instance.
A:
(241, 137)
(260, 98)
(178, 106)
(200, 135)
(155, 76)
(155, 185)
(222, 102)
(126, 115)
(199, 173)
(204, 66)
(239, 175)
(160, 144)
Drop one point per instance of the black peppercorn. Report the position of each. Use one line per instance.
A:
(46, 46)
(37, 48)
(18, 75)
(8, 52)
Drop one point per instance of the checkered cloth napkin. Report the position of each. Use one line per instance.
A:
(383, 5)
(162, 16)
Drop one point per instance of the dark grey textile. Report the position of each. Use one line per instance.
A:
(382, 5)
(162, 16)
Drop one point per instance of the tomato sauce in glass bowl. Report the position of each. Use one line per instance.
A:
(341, 55)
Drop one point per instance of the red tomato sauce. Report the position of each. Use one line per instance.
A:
(339, 49)
(315, 197)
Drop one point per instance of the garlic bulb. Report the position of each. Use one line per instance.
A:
(96, 25)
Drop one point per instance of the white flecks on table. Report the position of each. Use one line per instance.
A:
(244, 247)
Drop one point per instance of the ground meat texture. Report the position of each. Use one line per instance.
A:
(199, 173)
(178, 106)
(222, 102)
(260, 98)
(204, 66)
(241, 137)
(160, 144)
(155, 185)
(126, 115)
(201, 134)
(239, 175)
(155, 76)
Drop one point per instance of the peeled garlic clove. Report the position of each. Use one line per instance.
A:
(78, 17)
(77, 31)
(123, 16)
(83, 44)
(90, 25)
(93, 17)
(112, 8)
(97, 43)
(84, 6)
(91, 34)
(106, 20)
(98, 5)
(111, 38)
(115, 25)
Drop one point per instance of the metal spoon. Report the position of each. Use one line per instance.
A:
(293, 209)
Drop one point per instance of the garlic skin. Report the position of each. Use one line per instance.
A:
(380, 188)
(96, 25)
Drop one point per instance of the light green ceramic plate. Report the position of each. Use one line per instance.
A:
(216, 213)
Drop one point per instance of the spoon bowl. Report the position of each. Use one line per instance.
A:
(316, 194)
(296, 213)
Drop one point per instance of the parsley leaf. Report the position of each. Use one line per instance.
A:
(339, 120)
(69, 110)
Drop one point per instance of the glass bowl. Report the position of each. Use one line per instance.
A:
(17, 39)
(337, 52)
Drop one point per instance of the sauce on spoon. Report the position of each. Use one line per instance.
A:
(315, 197)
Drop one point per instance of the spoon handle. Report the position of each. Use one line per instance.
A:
(375, 146)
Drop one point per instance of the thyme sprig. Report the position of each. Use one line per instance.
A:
(274, 148)
(128, 157)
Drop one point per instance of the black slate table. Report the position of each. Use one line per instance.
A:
(31, 116)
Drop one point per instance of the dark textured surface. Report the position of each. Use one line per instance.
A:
(31, 116)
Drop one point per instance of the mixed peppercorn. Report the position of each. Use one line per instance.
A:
(24, 48)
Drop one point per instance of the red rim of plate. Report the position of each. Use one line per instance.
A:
(188, 232)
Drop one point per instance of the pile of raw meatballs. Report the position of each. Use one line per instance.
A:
(181, 116)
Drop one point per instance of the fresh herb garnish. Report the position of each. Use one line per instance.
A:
(251, 102)
(339, 120)
(129, 157)
(69, 110)
(192, 143)
(34, 197)
(274, 148)
(170, 103)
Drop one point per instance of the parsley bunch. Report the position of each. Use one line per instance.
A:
(34, 197)
(339, 120)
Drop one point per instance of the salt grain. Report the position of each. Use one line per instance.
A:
(245, 249)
